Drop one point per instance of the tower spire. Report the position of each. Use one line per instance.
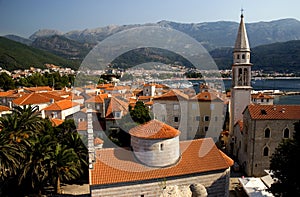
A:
(241, 42)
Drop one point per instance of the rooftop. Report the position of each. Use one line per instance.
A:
(154, 129)
(119, 165)
(274, 112)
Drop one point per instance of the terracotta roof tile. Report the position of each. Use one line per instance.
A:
(137, 91)
(61, 105)
(38, 89)
(241, 124)
(173, 95)
(149, 103)
(84, 110)
(104, 86)
(206, 96)
(119, 165)
(56, 122)
(98, 141)
(4, 108)
(144, 97)
(97, 126)
(116, 105)
(5, 94)
(97, 99)
(35, 98)
(261, 96)
(274, 112)
(154, 129)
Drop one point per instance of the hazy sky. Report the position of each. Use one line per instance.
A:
(24, 17)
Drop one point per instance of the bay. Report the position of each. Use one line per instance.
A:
(284, 85)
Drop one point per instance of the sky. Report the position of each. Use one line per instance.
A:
(24, 17)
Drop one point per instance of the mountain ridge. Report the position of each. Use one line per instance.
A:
(15, 55)
(217, 37)
(211, 34)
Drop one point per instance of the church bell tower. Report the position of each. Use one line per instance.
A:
(241, 75)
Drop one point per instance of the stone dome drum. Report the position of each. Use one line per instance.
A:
(155, 144)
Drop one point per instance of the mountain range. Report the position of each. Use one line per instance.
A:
(217, 37)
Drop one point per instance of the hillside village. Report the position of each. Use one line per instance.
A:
(193, 140)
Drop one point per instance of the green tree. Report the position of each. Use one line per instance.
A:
(285, 166)
(140, 113)
(68, 135)
(36, 168)
(64, 165)
(37, 79)
(10, 154)
(6, 82)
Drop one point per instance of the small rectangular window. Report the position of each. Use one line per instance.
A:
(176, 119)
(117, 114)
(206, 118)
(98, 107)
(176, 107)
(161, 148)
(197, 118)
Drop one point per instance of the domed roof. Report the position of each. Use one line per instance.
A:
(154, 129)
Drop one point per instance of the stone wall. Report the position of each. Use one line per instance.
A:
(159, 153)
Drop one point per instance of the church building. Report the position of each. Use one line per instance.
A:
(257, 126)
(157, 160)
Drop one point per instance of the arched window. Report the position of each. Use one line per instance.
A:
(245, 76)
(238, 56)
(267, 133)
(240, 77)
(243, 56)
(266, 151)
(286, 133)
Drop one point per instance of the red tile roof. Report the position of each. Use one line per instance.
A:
(97, 99)
(5, 94)
(85, 110)
(104, 86)
(207, 96)
(97, 141)
(4, 108)
(261, 96)
(274, 112)
(97, 126)
(154, 129)
(38, 89)
(119, 165)
(55, 122)
(241, 124)
(116, 105)
(61, 105)
(144, 97)
(36, 98)
(173, 95)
